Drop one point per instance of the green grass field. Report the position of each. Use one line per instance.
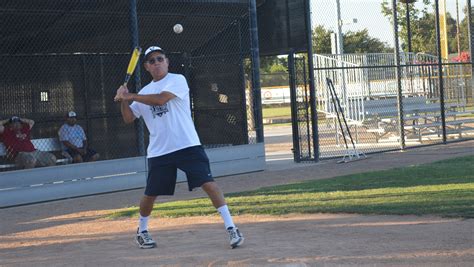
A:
(444, 188)
(276, 112)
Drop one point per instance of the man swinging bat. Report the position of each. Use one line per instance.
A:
(164, 105)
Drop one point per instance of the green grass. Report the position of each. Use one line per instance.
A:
(277, 124)
(444, 188)
(275, 112)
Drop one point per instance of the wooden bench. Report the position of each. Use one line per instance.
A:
(45, 144)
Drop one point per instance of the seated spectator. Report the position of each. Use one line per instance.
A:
(17, 140)
(74, 139)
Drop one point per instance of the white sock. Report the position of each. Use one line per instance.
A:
(143, 224)
(225, 214)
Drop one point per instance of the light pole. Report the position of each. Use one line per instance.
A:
(339, 53)
(339, 41)
(339, 56)
(458, 33)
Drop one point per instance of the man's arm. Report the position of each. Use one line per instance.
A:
(152, 100)
(127, 113)
(70, 146)
(2, 125)
(28, 121)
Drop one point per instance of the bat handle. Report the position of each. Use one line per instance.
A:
(127, 77)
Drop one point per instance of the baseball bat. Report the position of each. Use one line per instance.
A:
(132, 64)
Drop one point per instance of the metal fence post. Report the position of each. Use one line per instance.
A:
(312, 90)
(255, 54)
(401, 123)
(440, 71)
(86, 95)
(471, 37)
(294, 107)
(408, 26)
(139, 125)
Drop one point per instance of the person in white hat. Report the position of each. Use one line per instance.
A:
(74, 140)
(164, 105)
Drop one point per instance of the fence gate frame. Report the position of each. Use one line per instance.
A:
(303, 109)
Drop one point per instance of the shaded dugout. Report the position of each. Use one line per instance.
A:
(62, 55)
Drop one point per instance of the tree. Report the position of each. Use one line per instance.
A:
(361, 42)
(418, 35)
(464, 30)
(277, 68)
(321, 40)
(272, 64)
(423, 35)
(354, 42)
(423, 27)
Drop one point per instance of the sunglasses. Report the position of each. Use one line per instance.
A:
(152, 61)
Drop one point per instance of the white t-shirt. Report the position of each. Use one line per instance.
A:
(73, 134)
(171, 126)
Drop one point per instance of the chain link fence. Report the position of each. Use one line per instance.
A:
(396, 91)
(61, 56)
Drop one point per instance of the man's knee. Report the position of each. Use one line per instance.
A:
(148, 199)
(210, 186)
(95, 157)
(25, 160)
(77, 159)
(51, 159)
(27, 163)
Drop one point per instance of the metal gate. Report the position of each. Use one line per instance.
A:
(303, 115)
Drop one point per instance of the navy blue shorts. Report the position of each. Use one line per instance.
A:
(162, 170)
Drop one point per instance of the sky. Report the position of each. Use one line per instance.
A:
(368, 15)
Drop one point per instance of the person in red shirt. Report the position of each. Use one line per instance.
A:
(16, 137)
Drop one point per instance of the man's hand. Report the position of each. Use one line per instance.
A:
(127, 97)
(121, 91)
(81, 151)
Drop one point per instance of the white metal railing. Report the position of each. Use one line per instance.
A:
(348, 83)
(356, 86)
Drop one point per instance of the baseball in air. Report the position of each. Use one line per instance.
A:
(178, 28)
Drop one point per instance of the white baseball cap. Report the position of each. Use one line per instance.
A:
(71, 114)
(153, 49)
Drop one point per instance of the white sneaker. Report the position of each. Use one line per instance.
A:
(144, 240)
(235, 237)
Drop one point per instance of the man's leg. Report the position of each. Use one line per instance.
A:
(215, 194)
(146, 206)
(77, 159)
(217, 197)
(143, 238)
(95, 157)
(44, 159)
(91, 155)
(161, 180)
(25, 160)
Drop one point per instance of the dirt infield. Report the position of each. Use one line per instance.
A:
(75, 233)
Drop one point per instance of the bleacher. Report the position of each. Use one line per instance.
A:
(44, 144)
